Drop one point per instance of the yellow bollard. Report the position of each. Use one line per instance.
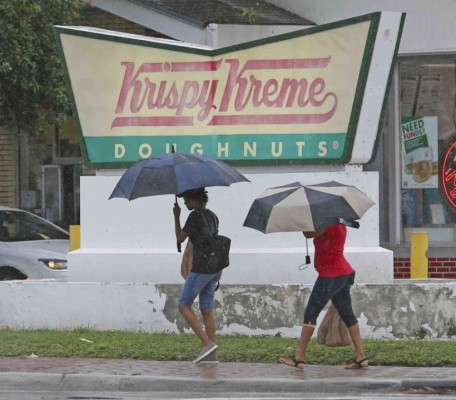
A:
(418, 255)
(75, 237)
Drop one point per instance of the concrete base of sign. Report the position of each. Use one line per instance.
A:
(134, 241)
(248, 266)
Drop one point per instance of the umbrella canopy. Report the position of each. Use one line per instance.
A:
(297, 207)
(174, 173)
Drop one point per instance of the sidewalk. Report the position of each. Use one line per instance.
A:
(54, 374)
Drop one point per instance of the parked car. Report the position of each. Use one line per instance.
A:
(31, 247)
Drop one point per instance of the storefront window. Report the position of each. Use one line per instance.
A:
(427, 117)
(38, 149)
(50, 170)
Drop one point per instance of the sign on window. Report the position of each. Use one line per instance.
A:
(419, 152)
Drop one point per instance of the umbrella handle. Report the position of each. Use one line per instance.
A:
(307, 253)
(179, 247)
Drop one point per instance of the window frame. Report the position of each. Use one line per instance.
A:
(392, 166)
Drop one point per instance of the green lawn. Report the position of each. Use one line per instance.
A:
(264, 349)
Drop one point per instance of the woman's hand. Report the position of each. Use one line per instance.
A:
(180, 234)
(312, 234)
(176, 210)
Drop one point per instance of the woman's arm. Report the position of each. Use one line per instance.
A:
(312, 234)
(180, 234)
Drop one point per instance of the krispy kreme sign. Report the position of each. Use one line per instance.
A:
(295, 97)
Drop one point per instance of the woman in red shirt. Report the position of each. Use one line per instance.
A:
(335, 276)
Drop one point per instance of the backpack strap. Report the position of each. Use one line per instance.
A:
(213, 234)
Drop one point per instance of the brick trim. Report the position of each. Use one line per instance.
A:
(438, 268)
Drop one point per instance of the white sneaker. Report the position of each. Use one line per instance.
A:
(205, 351)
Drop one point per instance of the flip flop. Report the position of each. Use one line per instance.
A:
(295, 363)
(357, 364)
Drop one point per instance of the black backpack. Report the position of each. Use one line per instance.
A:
(216, 248)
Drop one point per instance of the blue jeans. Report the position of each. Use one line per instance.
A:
(336, 289)
(202, 285)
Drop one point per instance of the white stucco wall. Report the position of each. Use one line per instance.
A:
(397, 310)
(124, 241)
(429, 24)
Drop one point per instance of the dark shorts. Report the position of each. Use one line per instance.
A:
(336, 289)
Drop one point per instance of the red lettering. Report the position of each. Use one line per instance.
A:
(243, 89)
(410, 135)
(451, 175)
(271, 87)
(291, 86)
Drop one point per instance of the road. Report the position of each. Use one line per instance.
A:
(116, 395)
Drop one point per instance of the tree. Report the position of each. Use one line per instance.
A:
(32, 90)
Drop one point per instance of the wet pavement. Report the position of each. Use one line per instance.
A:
(137, 375)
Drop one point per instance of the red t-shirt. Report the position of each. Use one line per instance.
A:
(329, 252)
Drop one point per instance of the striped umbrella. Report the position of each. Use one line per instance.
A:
(297, 207)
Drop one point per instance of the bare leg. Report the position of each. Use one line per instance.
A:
(209, 323)
(359, 351)
(306, 335)
(193, 322)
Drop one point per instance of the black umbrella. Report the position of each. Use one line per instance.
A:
(174, 173)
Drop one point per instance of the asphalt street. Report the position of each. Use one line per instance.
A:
(115, 395)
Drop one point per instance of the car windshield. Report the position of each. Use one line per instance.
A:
(16, 226)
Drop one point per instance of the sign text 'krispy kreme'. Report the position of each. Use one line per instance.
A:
(296, 96)
(192, 100)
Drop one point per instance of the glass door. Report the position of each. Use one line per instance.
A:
(51, 194)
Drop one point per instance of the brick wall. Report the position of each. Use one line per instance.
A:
(443, 268)
(7, 170)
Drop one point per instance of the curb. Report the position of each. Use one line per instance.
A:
(100, 382)
(431, 383)
(109, 382)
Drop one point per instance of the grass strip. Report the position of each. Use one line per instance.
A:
(232, 348)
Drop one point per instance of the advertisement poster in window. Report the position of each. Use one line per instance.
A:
(419, 152)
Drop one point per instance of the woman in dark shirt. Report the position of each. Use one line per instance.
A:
(200, 281)
(335, 276)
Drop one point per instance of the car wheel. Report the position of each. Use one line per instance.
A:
(9, 274)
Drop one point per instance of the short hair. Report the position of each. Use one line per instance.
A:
(199, 195)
